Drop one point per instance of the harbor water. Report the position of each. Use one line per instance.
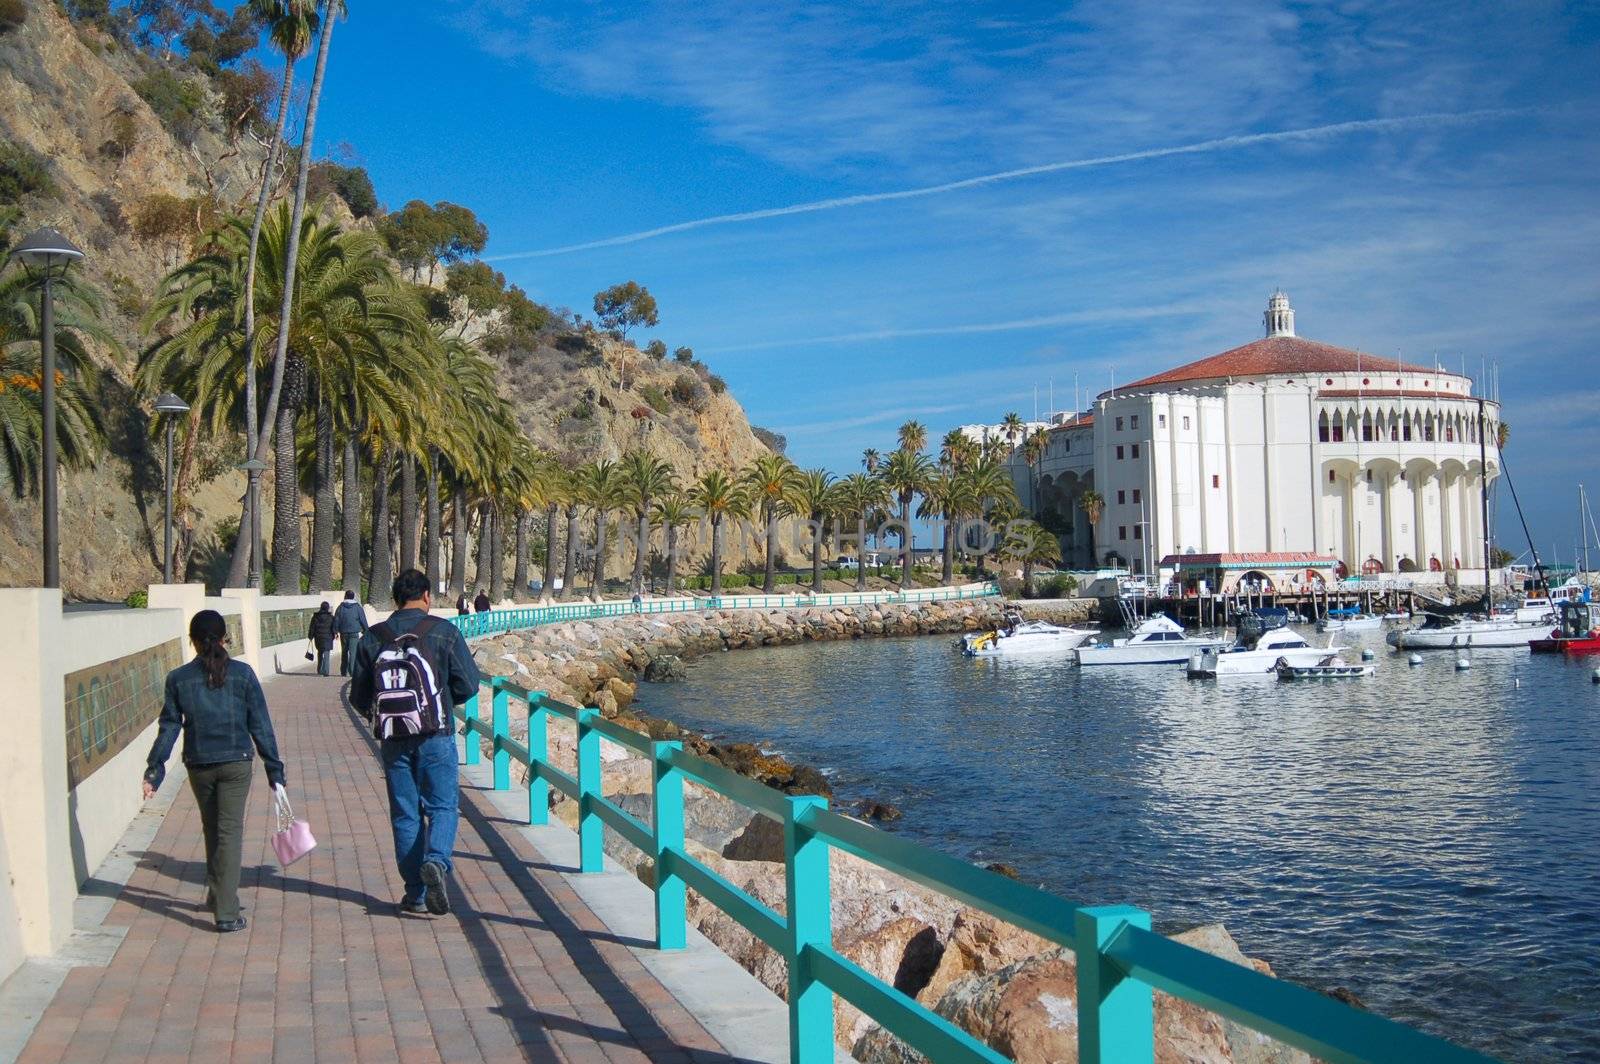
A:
(1427, 838)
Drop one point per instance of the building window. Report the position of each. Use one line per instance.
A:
(1186, 422)
(1338, 432)
(1119, 452)
(1216, 480)
(1135, 451)
(1161, 421)
(1322, 428)
(1331, 477)
(1394, 433)
(1122, 531)
(1449, 432)
(1122, 497)
(1405, 432)
(1119, 424)
(1138, 531)
(1134, 423)
(1328, 381)
(1066, 445)
(1136, 495)
(1366, 430)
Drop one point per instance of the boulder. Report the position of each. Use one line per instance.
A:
(665, 669)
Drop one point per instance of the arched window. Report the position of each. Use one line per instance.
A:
(1322, 427)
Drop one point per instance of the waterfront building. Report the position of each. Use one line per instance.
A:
(984, 435)
(1281, 445)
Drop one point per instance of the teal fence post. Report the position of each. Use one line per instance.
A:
(810, 922)
(474, 741)
(666, 817)
(591, 837)
(500, 725)
(538, 754)
(1115, 1015)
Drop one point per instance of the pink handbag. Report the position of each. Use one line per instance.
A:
(292, 840)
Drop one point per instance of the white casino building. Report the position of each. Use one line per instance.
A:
(1282, 445)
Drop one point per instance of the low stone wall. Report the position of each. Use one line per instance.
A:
(1008, 987)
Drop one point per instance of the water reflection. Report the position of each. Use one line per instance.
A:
(1425, 837)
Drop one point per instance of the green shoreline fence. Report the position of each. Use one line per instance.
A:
(1119, 958)
(494, 622)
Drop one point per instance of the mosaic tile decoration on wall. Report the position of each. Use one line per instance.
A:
(109, 704)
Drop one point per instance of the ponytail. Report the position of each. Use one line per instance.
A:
(209, 633)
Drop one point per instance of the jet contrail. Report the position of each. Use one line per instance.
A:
(1365, 125)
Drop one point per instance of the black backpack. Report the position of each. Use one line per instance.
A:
(405, 684)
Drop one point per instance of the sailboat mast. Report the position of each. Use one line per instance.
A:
(1483, 499)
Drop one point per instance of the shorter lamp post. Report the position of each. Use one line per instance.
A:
(47, 254)
(169, 406)
(253, 469)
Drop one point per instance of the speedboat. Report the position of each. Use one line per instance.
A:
(1156, 641)
(1261, 657)
(1349, 619)
(1443, 632)
(1029, 637)
(1578, 632)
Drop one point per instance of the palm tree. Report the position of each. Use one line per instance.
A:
(945, 498)
(290, 26)
(573, 501)
(858, 496)
(870, 458)
(1011, 427)
(1033, 449)
(906, 475)
(557, 488)
(718, 497)
(993, 496)
(644, 479)
(814, 497)
(773, 483)
(1029, 543)
(1093, 505)
(600, 485)
(673, 512)
(913, 436)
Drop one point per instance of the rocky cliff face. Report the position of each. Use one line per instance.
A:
(66, 95)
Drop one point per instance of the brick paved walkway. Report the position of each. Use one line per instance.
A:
(328, 971)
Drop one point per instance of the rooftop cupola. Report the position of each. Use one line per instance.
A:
(1279, 317)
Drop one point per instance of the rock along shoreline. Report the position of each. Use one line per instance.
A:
(1011, 989)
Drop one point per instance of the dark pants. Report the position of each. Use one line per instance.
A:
(221, 792)
(347, 651)
(324, 656)
(421, 778)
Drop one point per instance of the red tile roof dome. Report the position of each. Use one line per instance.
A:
(1277, 356)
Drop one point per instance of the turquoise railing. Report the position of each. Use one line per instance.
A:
(493, 622)
(1119, 959)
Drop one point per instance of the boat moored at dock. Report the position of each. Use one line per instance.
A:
(1026, 637)
(1158, 640)
(1259, 658)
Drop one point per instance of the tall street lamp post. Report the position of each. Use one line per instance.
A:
(169, 406)
(46, 253)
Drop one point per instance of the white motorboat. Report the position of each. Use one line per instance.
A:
(1028, 637)
(1439, 632)
(1260, 658)
(1542, 609)
(1332, 669)
(1360, 622)
(1156, 641)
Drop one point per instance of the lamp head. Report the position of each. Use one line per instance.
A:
(167, 403)
(254, 465)
(46, 250)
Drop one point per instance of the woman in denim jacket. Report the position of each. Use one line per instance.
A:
(218, 705)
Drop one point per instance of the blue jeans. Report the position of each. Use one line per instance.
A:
(421, 778)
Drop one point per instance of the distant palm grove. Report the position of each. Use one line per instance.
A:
(350, 356)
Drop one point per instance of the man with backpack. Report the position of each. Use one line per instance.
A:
(349, 623)
(410, 672)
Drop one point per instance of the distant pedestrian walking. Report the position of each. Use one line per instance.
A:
(349, 623)
(411, 671)
(482, 603)
(320, 632)
(463, 607)
(217, 703)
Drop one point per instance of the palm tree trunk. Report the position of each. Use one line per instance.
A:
(433, 541)
(286, 483)
(816, 557)
(1027, 578)
(547, 586)
(570, 573)
(641, 548)
(672, 556)
(716, 558)
(948, 576)
(905, 541)
(239, 564)
(519, 573)
(861, 552)
(323, 499)
(497, 554)
(480, 571)
(408, 511)
(382, 560)
(291, 257)
(599, 587)
(352, 516)
(458, 543)
(770, 583)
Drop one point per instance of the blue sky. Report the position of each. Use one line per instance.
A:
(1468, 236)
